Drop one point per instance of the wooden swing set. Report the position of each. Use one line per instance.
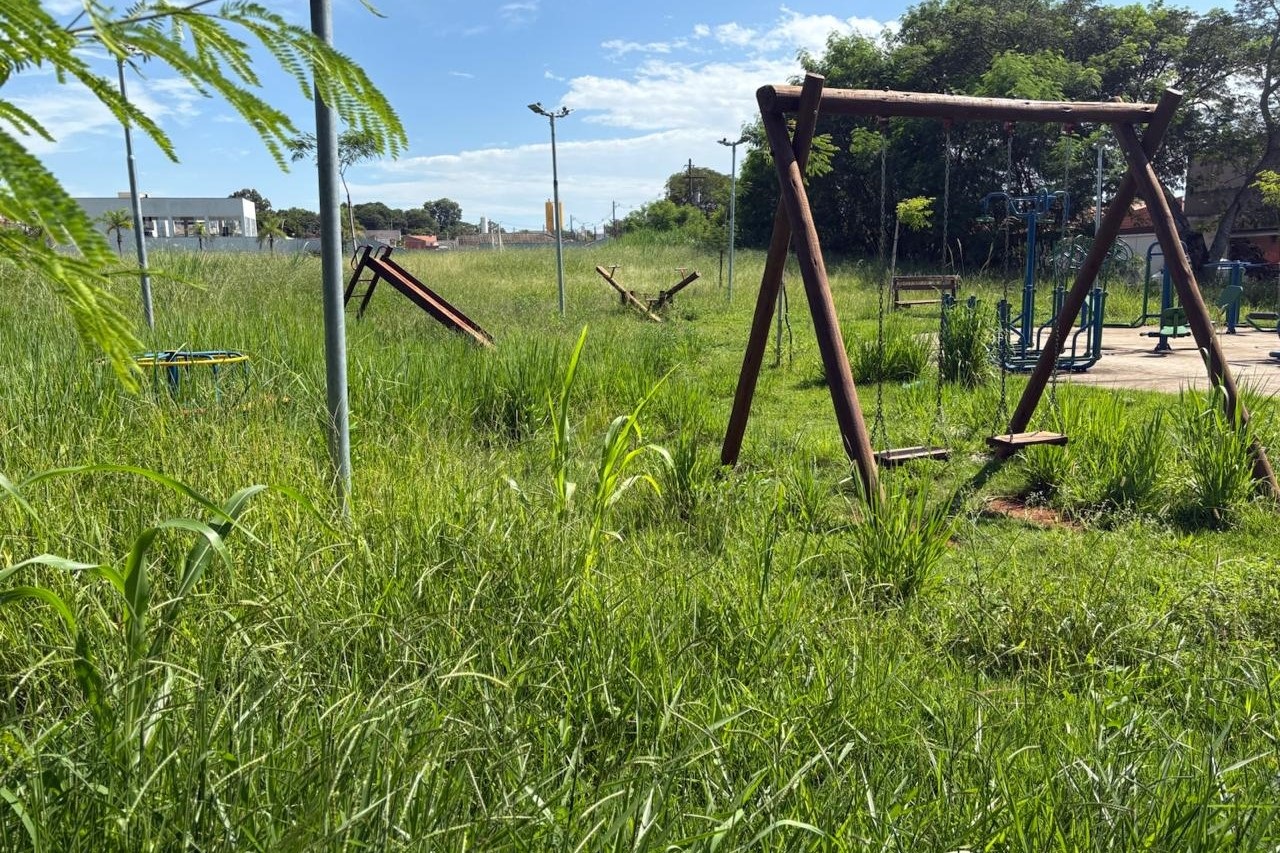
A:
(793, 226)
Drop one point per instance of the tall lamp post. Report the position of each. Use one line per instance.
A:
(135, 202)
(335, 326)
(555, 195)
(733, 201)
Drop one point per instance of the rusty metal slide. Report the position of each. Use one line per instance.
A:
(381, 268)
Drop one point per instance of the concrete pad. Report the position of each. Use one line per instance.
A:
(1128, 361)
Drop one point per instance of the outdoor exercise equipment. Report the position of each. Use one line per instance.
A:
(1148, 278)
(651, 307)
(1021, 336)
(1266, 321)
(377, 264)
(1173, 318)
(790, 153)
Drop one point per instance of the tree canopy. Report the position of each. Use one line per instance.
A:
(212, 49)
(1042, 49)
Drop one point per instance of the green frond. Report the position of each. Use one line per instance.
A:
(213, 49)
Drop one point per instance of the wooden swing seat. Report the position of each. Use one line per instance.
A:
(1013, 441)
(899, 455)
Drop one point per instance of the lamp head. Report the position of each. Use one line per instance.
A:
(536, 106)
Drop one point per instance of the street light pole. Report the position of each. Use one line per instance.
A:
(555, 196)
(733, 202)
(135, 202)
(335, 325)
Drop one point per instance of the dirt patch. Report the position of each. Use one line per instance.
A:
(1036, 516)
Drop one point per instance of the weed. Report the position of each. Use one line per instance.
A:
(899, 540)
(965, 344)
(901, 357)
(1219, 468)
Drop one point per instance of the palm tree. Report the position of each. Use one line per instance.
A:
(118, 221)
(269, 228)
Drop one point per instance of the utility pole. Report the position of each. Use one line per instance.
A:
(733, 202)
(615, 220)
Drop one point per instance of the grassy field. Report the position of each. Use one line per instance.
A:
(545, 628)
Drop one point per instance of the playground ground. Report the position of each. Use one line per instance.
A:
(1128, 361)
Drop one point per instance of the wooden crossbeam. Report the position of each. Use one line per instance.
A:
(887, 103)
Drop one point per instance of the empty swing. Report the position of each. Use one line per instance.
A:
(891, 457)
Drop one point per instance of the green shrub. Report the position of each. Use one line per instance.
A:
(1220, 471)
(899, 541)
(901, 357)
(965, 344)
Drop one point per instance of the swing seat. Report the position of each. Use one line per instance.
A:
(1015, 441)
(1263, 321)
(899, 455)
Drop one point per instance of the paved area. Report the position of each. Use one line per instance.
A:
(1128, 362)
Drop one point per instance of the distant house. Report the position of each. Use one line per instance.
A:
(382, 236)
(421, 241)
(1210, 188)
(179, 217)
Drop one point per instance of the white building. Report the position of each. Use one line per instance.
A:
(177, 217)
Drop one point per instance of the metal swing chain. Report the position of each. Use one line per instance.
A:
(1002, 332)
(878, 429)
(943, 308)
(884, 182)
(1066, 188)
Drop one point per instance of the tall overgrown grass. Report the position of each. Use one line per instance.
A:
(506, 648)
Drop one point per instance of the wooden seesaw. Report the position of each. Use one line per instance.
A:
(650, 308)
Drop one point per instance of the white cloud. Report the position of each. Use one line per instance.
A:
(70, 113)
(466, 75)
(715, 95)
(511, 184)
(519, 13)
(688, 92)
(618, 47)
(63, 7)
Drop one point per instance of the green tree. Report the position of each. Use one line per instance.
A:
(117, 221)
(1257, 148)
(300, 222)
(270, 229)
(419, 221)
(376, 216)
(260, 203)
(700, 187)
(1072, 49)
(214, 49)
(354, 146)
(447, 214)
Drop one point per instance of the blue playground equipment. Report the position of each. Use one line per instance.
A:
(1021, 336)
(1172, 316)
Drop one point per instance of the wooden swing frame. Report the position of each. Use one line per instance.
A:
(793, 226)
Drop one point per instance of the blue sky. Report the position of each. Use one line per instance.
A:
(651, 85)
